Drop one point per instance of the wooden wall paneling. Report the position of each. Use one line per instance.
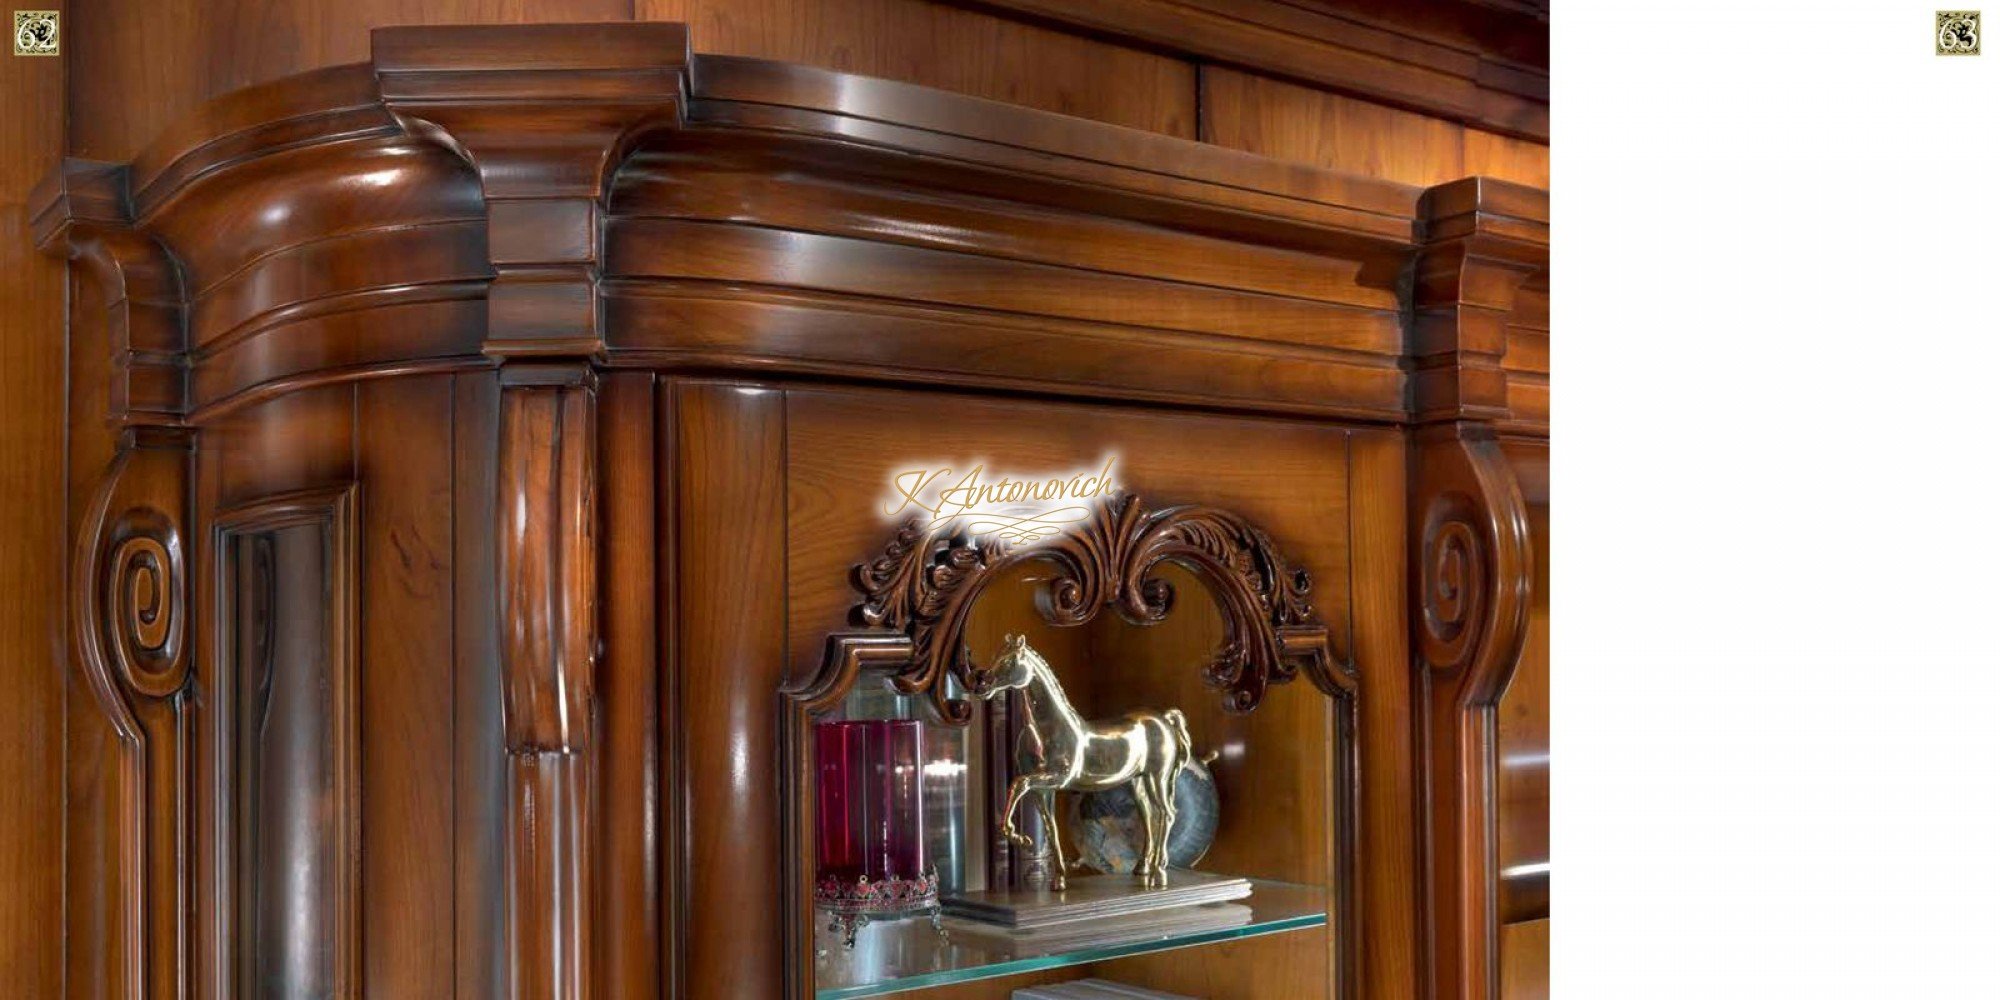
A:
(936, 45)
(32, 565)
(1258, 114)
(1412, 58)
(479, 774)
(403, 442)
(1290, 122)
(154, 63)
(1519, 160)
(1391, 786)
(90, 743)
(546, 568)
(1524, 960)
(729, 446)
(628, 777)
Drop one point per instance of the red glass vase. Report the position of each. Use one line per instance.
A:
(873, 859)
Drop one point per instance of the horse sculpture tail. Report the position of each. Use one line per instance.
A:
(1179, 723)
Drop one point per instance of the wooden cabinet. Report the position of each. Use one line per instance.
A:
(494, 428)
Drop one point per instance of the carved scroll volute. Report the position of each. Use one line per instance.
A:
(129, 604)
(545, 113)
(81, 212)
(548, 621)
(1473, 566)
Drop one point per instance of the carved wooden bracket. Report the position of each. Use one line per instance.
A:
(82, 212)
(129, 598)
(1484, 240)
(919, 594)
(545, 113)
(1473, 558)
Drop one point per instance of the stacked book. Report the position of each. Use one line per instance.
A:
(1095, 897)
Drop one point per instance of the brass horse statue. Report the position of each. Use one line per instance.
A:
(1146, 748)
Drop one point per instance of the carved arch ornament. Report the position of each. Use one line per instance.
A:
(919, 593)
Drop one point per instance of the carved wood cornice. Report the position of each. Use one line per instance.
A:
(515, 192)
(1484, 241)
(81, 212)
(544, 113)
(1473, 562)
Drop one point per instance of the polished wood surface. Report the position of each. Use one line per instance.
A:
(1281, 119)
(283, 750)
(967, 51)
(620, 382)
(1523, 852)
(1493, 75)
(547, 572)
(34, 690)
(1524, 960)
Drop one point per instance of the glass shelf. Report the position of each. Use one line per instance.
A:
(908, 954)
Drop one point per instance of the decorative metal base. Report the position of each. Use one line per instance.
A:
(852, 905)
(847, 925)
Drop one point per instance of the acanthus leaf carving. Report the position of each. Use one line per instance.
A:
(927, 579)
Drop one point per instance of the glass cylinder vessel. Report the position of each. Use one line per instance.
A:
(873, 852)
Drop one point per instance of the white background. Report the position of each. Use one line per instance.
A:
(1776, 561)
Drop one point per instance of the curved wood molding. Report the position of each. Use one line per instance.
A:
(484, 193)
(1485, 242)
(81, 216)
(129, 597)
(1473, 560)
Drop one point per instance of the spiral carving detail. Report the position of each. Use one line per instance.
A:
(143, 584)
(1454, 580)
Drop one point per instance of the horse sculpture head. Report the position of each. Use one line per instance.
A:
(1014, 668)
